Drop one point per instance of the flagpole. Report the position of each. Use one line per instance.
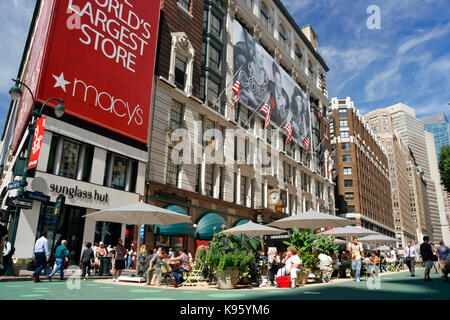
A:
(279, 129)
(319, 145)
(261, 104)
(226, 87)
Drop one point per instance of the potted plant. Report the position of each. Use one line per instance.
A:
(304, 243)
(229, 256)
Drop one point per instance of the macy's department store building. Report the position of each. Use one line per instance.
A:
(92, 171)
(96, 154)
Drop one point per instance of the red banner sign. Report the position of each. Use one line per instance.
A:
(100, 58)
(37, 143)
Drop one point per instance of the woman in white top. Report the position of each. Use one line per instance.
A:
(292, 264)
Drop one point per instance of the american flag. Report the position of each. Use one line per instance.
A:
(333, 157)
(306, 142)
(236, 88)
(266, 111)
(288, 129)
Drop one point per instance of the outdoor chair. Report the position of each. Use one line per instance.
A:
(196, 274)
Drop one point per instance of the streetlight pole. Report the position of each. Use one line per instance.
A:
(15, 93)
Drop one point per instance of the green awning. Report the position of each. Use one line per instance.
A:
(243, 221)
(205, 227)
(177, 229)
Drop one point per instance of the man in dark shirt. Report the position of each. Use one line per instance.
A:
(427, 257)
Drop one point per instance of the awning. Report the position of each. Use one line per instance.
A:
(178, 229)
(205, 227)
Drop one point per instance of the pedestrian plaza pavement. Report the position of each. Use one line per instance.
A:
(394, 286)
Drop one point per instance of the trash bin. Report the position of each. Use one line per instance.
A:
(105, 266)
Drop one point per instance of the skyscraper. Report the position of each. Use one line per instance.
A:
(404, 212)
(412, 131)
(439, 126)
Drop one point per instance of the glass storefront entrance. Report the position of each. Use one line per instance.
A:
(107, 232)
(69, 225)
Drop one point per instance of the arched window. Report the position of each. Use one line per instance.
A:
(283, 36)
(298, 55)
(265, 15)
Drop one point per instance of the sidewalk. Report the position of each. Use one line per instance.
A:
(25, 275)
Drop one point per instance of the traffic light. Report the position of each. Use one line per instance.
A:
(59, 204)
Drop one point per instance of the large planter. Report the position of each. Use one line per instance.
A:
(228, 278)
(303, 276)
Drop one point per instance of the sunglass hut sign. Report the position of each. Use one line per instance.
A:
(101, 61)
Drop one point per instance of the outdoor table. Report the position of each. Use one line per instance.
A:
(105, 266)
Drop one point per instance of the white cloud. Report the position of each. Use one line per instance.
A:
(414, 41)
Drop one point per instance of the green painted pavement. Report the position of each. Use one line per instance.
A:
(392, 287)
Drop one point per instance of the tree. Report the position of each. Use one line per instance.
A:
(444, 166)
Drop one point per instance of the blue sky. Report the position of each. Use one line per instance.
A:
(407, 60)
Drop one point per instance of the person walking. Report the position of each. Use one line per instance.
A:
(119, 260)
(61, 254)
(443, 252)
(357, 254)
(410, 255)
(87, 258)
(41, 254)
(427, 257)
(8, 252)
(3, 235)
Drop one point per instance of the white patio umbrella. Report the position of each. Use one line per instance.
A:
(139, 213)
(350, 231)
(336, 241)
(311, 219)
(377, 238)
(252, 229)
(383, 248)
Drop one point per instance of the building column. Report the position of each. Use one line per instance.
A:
(128, 175)
(27, 231)
(81, 162)
(58, 155)
(238, 186)
(98, 166)
(203, 174)
(265, 191)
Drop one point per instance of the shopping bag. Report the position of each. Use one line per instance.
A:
(283, 281)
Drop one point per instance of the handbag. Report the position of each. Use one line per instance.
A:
(435, 258)
(283, 281)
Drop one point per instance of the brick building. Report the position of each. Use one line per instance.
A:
(363, 191)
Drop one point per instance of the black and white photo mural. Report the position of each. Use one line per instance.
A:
(262, 79)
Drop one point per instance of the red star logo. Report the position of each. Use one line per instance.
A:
(272, 101)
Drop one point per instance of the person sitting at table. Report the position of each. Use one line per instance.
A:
(292, 264)
(182, 260)
(326, 269)
(273, 264)
(155, 266)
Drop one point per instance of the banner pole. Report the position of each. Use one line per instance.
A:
(226, 87)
